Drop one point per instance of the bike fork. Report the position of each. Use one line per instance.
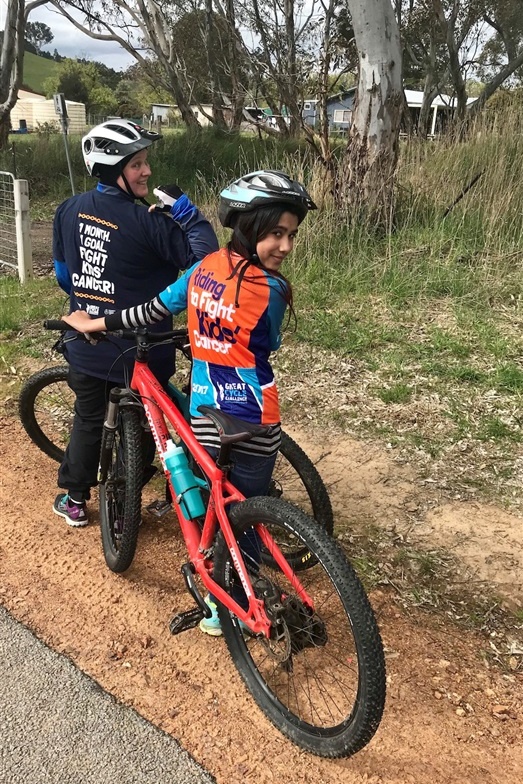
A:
(110, 427)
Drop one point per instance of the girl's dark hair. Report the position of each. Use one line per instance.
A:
(251, 227)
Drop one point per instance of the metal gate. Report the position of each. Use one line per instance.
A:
(15, 226)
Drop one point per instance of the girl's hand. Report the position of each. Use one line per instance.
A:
(81, 321)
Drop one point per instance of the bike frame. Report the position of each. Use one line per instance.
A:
(159, 407)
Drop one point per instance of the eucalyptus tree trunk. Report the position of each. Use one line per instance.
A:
(276, 25)
(235, 56)
(216, 95)
(448, 25)
(11, 60)
(365, 181)
(323, 88)
(290, 91)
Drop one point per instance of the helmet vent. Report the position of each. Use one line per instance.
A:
(103, 144)
(124, 130)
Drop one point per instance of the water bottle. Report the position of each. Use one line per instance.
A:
(185, 486)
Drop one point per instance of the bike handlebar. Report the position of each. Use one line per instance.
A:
(125, 334)
(54, 324)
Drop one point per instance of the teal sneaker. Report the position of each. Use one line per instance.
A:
(211, 625)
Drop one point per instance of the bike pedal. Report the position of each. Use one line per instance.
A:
(159, 508)
(185, 620)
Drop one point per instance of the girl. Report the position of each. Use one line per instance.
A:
(236, 300)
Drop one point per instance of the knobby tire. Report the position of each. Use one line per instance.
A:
(296, 479)
(322, 682)
(120, 489)
(46, 409)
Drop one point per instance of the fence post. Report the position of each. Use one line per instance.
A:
(23, 230)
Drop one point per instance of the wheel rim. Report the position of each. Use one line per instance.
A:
(286, 483)
(54, 413)
(313, 677)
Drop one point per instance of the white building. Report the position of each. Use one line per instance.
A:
(440, 105)
(32, 110)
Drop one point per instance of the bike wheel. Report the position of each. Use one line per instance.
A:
(46, 409)
(120, 489)
(296, 480)
(320, 678)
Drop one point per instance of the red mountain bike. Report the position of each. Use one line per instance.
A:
(295, 617)
(46, 409)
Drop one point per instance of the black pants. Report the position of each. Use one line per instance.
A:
(78, 471)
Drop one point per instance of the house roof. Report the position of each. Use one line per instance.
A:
(26, 95)
(414, 98)
(342, 95)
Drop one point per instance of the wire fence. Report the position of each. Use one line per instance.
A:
(15, 239)
(8, 245)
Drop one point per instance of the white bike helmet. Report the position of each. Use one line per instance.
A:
(112, 142)
(260, 189)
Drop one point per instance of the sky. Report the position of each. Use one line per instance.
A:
(70, 42)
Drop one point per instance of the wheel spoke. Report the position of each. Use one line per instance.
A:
(46, 408)
(120, 493)
(320, 675)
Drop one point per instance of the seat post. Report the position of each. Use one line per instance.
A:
(223, 459)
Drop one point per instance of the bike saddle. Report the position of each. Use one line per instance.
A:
(232, 429)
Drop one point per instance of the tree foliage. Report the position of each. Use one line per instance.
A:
(277, 53)
(448, 44)
(86, 82)
(38, 34)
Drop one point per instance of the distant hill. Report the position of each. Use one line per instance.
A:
(36, 70)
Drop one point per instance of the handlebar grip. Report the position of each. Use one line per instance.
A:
(55, 324)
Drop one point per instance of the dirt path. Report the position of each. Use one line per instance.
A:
(450, 717)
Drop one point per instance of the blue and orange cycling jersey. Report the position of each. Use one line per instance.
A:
(234, 324)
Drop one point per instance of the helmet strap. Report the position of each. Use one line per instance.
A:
(251, 251)
(131, 192)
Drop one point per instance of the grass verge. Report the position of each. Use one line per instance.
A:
(437, 583)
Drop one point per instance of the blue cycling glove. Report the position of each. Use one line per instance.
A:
(172, 198)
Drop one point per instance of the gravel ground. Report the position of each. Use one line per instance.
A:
(59, 727)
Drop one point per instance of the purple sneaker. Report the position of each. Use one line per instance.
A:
(73, 512)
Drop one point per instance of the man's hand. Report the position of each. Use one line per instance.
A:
(167, 195)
